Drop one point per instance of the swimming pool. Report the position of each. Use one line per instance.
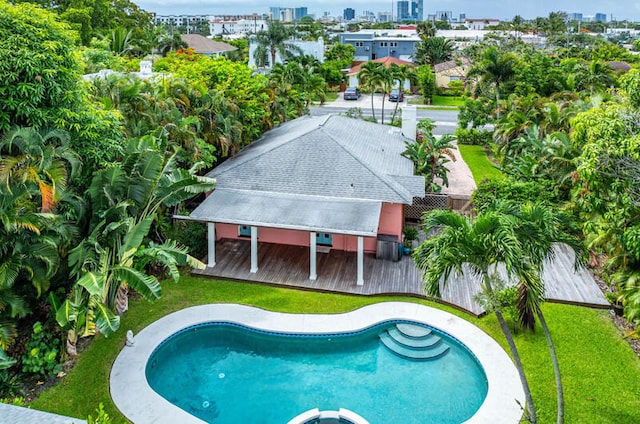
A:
(223, 372)
(137, 400)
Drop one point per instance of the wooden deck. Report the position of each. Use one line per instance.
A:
(284, 265)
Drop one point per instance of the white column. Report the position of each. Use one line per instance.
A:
(312, 258)
(254, 249)
(360, 261)
(211, 243)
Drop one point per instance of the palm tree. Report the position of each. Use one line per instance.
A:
(495, 69)
(540, 228)
(41, 158)
(434, 50)
(400, 74)
(274, 40)
(595, 77)
(429, 155)
(482, 243)
(426, 29)
(371, 74)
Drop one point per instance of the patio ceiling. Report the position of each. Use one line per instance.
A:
(289, 211)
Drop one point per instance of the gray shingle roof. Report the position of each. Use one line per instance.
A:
(332, 156)
(295, 212)
(326, 174)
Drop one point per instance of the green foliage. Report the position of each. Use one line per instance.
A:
(426, 80)
(537, 73)
(42, 353)
(518, 192)
(630, 83)
(434, 50)
(456, 88)
(473, 136)
(39, 69)
(102, 417)
(410, 234)
(475, 113)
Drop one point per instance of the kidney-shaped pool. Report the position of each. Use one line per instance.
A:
(389, 363)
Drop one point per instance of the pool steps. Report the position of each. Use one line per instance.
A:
(414, 342)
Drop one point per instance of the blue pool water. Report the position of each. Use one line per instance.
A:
(227, 373)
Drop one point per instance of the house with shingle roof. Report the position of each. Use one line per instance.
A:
(319, 182)
(205, 46)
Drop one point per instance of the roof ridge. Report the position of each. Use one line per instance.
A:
(241, 160)
(386, 179)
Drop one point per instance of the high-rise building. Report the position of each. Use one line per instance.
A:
(299, 13)
(444, 15)
(575, 17)
(600, 17)
(349, 14)
(419, 10)
(403, 11)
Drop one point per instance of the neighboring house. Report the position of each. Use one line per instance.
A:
(453, 70)
(373, 44)
(227, 28)
(480, 23)
(328, 181)
(205, 46)
(620, 67)
(307, 48)
(353, 73)
(146, 71)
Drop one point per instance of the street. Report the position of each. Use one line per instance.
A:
(446, 120)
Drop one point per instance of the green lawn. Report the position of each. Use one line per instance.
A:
(600, 371)
(481, 167)
(447, 101)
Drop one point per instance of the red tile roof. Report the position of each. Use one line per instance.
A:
(387, 63)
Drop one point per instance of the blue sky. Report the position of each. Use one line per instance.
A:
(503, 9)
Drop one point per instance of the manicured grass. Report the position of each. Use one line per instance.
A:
(481, 167)
(447, 101)
(600, 371)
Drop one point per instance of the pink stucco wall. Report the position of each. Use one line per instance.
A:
(391, 220)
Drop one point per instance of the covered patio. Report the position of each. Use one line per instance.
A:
(285, 265)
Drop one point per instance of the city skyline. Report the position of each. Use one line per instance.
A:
(501, 9)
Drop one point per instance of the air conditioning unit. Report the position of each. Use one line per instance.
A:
(366, 48)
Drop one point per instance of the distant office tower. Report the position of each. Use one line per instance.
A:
(462, 17)
(419, 14)
(299, 13)
(349, 14)
(275, 12)
(600, 17)
(444, 15)
(575, 17)
(403, 10)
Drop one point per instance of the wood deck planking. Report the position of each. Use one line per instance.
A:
(289, 266)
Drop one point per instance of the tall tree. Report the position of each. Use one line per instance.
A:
(371, 76)
(276, 39)
(434, 50)
(495, 69)
(482, 243)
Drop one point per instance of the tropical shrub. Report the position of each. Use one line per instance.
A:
(516, 191)
(473, 136)
(42, 353)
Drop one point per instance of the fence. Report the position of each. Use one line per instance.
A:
(456, 202)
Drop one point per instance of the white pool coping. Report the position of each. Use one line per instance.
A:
(139, 403)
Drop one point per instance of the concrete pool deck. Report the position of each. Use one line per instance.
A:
(139, 403)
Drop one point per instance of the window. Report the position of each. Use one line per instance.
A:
(455, 78)
(323, 239)
(383, 44)
(393, 44)
(244, 231)
(359, 44)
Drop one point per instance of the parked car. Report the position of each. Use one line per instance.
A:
(351, 93)
(396, 95)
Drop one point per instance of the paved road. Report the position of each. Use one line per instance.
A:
(446, 120)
